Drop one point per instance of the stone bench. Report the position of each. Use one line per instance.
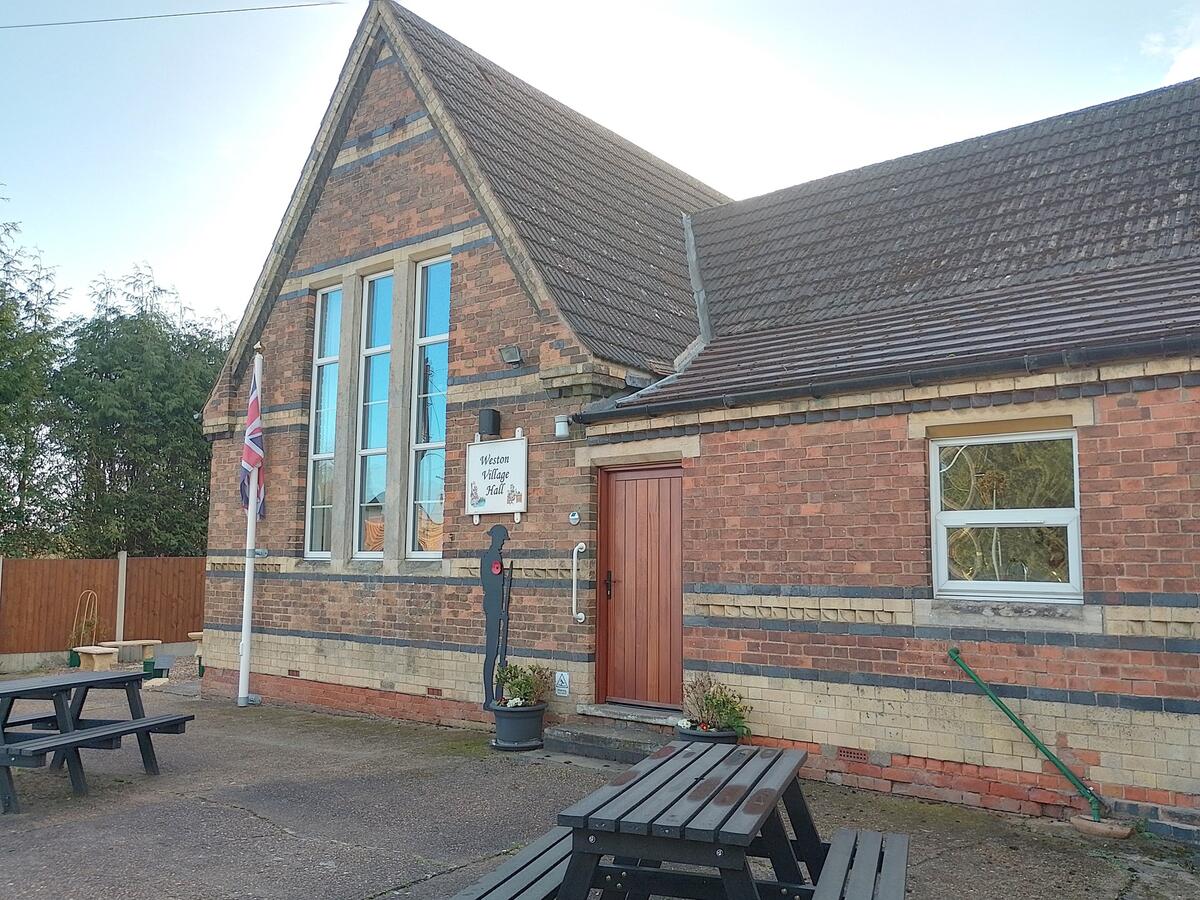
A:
(96, 659)
(146, 646)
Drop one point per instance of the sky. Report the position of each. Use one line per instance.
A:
(176, 143)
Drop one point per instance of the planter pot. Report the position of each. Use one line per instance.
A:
(72, 659)
(519, 727)
(706, 737)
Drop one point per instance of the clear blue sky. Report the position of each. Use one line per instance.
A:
(176, 143)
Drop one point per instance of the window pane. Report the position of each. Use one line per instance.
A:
(375, 378)
(371, 503)
(371, 538)
(431, 397)
(374, 411)
(379, 312)
(326, 408)
(1017, 475)
(429, 481)
(431, 373)
(322, 482)
(319, 530)
(321, 514)
(374, 478)
(427, 526)
(331, 324)
(1008, 553)
(435, 299)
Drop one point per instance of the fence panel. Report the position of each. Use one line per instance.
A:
(164, 597)
(38, 599)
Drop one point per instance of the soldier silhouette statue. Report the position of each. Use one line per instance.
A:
(495, 581)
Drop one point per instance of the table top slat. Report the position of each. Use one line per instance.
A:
(672, 821)
(861, 882)
(893, 872)
(47, 685)
(638, 819)
(608, 817)
(837, 866)
(744, 824)
(706, 825)
(576, 815)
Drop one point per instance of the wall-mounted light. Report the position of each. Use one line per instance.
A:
(562, 428)
(489, 422)
(511, 355)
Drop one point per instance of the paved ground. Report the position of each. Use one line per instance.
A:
(274, 803)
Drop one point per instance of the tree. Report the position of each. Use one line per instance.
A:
(130, 391)
(30, 343)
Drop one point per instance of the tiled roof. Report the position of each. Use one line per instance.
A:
(1131, 312)
(1043, 238)
(600, 216)
(1113, 185)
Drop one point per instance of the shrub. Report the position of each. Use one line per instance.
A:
(525, 685)
(709, 705)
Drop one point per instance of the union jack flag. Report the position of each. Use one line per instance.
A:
(252, 451)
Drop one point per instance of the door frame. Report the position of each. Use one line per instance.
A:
(602, 550)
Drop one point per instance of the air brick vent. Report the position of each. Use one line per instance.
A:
(852, 754)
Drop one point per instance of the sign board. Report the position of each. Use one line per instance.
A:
(562, 684)
(496, 476)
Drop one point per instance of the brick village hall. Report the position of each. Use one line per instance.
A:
(810, 440)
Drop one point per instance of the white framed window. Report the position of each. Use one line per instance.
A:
(1005, 513)
(318, 514)
(375, 356)
(427, 428)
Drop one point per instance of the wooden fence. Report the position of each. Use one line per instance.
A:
(163, 598)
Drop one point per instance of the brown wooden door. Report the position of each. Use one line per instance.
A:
(640, 581)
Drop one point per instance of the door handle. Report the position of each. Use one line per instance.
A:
(608, 582)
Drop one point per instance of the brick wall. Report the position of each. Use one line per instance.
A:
(808, 577)
(410, 632)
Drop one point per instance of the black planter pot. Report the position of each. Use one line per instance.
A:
(706, 737)
(519, 727)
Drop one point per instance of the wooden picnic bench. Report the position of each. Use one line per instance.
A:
(703, 805)
(61, 734)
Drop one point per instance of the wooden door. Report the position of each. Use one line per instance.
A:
(640, 584)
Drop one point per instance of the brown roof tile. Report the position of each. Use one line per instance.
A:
(1056, 237)
(600, 216)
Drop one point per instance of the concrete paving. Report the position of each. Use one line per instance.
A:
(268, 803)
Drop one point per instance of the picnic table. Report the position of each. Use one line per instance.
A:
(62, 731)
(713, 806)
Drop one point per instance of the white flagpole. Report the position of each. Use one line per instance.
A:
(248, 583)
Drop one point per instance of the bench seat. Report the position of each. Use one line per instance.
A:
(859, 865)
(535, 873)
(95, 658)
(36, 748)
(37, 720)
(863, 865)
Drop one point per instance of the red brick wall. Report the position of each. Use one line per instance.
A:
(828, 503)
(847, 502)
(1140, 480)
(366, 208)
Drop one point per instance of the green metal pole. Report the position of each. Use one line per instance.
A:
(1084, 791)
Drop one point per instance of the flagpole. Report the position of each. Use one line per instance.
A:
(248, 582)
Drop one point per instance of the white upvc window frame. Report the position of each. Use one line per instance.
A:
(414, 448)
(365, 353)
(313, 457)
(941, 521)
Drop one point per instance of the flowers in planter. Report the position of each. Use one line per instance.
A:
(709, 705)
(524, 685)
